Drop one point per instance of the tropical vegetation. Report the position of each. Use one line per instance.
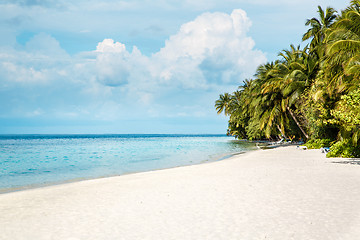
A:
(309, 93)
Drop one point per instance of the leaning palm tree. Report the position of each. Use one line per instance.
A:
(301, 70)
(271, 116)
(291, 76)
(266, 103)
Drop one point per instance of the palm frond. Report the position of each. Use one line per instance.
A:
(348, 45)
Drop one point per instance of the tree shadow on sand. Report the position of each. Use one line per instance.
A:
(353, 161)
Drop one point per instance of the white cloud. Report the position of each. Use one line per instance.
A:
(111, 82)
(214, 49)
(112, 69)
(109, 46)
(38, 62)
(214, 44)
(22, 74)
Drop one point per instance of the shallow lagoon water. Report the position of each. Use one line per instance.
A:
(37, 160)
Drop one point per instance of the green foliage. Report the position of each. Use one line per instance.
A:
(253, 131)
(318, 143)
(344, 149)
(310, 93)
(347, 111)
(347, 115)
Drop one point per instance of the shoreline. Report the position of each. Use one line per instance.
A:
(281, 193)
(220, 157)
(102, 156)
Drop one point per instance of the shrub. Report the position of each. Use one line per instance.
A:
(318, 143)
(344, 149)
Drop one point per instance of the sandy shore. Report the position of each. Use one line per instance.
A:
(283, 193)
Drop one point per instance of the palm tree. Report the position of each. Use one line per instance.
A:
(302, 69)
(239, 116)
(352, 67)
(312, 90)
(342, 66)
(223, 104)
(318, 29)
(339, 69)
(267, 101)
(236, 105)
(344, 46)
(291, 76)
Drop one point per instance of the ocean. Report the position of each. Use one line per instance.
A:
(28, 161)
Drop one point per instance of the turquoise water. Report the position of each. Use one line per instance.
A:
(37, 160)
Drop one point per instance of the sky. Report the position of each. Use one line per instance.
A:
(140, 66)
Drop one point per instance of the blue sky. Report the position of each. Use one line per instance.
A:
(141, 66)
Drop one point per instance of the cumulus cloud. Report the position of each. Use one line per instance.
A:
(112, 63)
(213, 48)
(206, 54)
(41, 58)
(113, 80)
(109, 46)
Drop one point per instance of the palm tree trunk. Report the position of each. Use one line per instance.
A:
(297, 123)
(279, 128)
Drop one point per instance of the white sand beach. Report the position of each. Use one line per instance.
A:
(282, 193)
